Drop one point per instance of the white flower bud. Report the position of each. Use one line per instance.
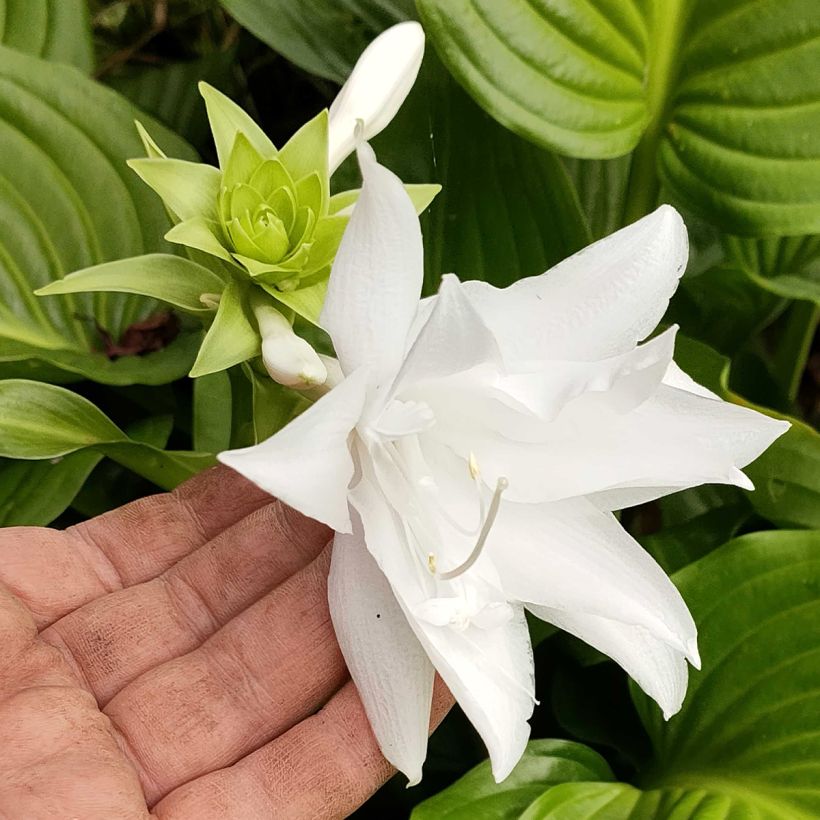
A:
(288, 358)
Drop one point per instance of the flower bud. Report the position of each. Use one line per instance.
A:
(375, 90)
(288, 358)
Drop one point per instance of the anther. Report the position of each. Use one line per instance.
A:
(472, 466)
(492, 513)
(431, 562)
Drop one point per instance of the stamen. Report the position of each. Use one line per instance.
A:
(492, 513)
(472, 466)
(431, 562)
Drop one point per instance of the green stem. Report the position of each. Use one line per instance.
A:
(663, 57)
(795, 345)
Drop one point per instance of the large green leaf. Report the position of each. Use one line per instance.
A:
(746, 743)
(507, 208)
(56, 30)
(477, 796)
(721, 98)
(68, 201)
(34, 493)
(42, 421)
(324, 37)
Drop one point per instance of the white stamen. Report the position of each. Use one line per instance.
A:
(431, 563)
(492, 513)
(472, 466)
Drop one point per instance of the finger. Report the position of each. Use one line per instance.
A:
(263, 672)
(116, 638)
(55, 572)
(324, 768)
(51, 732)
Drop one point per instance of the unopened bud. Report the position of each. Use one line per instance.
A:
(288, 358)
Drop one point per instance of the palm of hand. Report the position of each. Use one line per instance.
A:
(175, 659)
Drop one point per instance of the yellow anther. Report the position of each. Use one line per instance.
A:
(472, 465)
(431, 563)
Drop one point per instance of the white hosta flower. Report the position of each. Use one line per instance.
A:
(376, 88)
(472, 456)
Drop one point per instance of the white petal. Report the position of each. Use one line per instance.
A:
(454, 339)
(489, 672)
(623, 381)
(375, 282)
(714, 440)
(573, 557)
(386, 661)
(675, 377)
(375, 90)
(597, 303)
(308, 463)
(656, 667)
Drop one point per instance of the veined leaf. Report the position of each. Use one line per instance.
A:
(324, 37)
(42, 421)
(68, 202)
(721, 97)
(56, 30)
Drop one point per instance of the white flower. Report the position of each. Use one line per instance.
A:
(470, 461)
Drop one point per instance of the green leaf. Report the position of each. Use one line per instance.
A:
(305, 155)
(68, 202)
(173, 279)
(720, 98)
(507, 209)
(307, 302)
(212, 413)
(42, 421)
(232, 337)
(55, 30)
(273, 405)
(476, 795)
(787, 479)
(34, 493)
(421, 195)
(324, 37)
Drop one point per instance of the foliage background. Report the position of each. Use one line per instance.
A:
(549, 124)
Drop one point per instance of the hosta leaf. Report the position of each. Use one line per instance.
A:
(34, 493)
(56, 30)
(68, 202)
(721, 96)
(544, 762)
(324, 37)
(43, 421)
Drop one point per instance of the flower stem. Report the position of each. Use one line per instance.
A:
(795, 345)
(643, 185)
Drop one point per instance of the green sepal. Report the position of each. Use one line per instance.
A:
(172, 279)
(310, 193)
(152, 150)
(201, 234)
(243, 161)
(306, 153)
(306, 301)
(188, 189)
(227, 119)
(232, 337)
(341, 204)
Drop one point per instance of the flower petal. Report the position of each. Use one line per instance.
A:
(713, 440)
(595, 304)
(375, 90)
(655, 666)
(374, 286)
(387, 663)
(489, 671)
(454, 339)
(575, 558)
(308, 463)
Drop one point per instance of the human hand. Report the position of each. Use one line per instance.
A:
(175, 659)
